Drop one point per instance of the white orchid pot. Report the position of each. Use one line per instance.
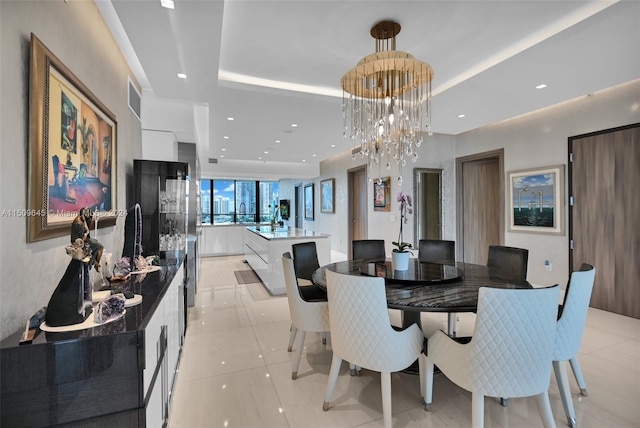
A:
(400, 261)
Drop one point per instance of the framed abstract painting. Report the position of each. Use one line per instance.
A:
(72, 149)
(327, 196)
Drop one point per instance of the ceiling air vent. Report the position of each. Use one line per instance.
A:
(134, 99)
(213, 160)
(356, 150)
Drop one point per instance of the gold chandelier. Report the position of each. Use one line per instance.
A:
(386, 102)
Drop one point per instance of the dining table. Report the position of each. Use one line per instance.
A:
(427, 286)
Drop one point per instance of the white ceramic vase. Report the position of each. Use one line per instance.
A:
(400, 261)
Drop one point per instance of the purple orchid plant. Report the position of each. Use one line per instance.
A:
(406, 205)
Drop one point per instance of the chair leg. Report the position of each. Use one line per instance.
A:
(544, 405)
(385, 386)
(300, 346)
(452, 324)
(428, 384)
(504, 402)
(578, 374)
(292, 337)
(421, 373)
(354, 370)
(560, 370)
(331, 382)
(477, 410)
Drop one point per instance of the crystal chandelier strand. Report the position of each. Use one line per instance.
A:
(388, 109)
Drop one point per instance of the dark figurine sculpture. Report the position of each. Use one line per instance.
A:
(70, 302)
(80, 229)
(133, 233)
(67, 305)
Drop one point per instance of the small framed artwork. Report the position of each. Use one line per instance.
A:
(382, 194)
(284, 209)
(308, 201)
(327, 198)
(536, 200)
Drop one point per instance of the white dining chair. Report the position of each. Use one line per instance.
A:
(509, 355)
(305, 316)
(570, 327)
(361, 333)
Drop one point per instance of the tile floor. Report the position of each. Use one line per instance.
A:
(235, 371)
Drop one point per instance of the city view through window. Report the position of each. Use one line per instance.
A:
(238, 201)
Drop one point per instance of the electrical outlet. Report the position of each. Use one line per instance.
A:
(547, 265)
(392, 218)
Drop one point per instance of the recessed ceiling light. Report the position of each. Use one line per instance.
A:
(226, 137)
(260, 157)
(221, 156)
(167, 4)
(182, 75)
(223, 149)
(461, 115)
(540, 86)
(333, 145)
(230, 118)
(313, 156)
(304, 160)
(266, 152)
(294, 125)
(277, 141)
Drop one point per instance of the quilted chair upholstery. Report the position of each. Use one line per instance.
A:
(362, 334)
(368, 249)
(510, 353)
(305, 316)
(509, 260)
(569, 335)
(305, 262)
(437, 251)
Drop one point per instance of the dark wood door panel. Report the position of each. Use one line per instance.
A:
(605, 217)
(481, 223)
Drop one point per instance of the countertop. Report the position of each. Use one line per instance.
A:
(152, 286)
(285, 233)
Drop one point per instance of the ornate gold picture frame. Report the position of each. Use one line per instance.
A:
(72, 149)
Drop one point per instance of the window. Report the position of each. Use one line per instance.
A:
(238, 201)
(246, 199)
(268, 200)
(205, 201)
(223, 201)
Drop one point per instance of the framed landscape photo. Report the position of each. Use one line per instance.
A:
(536, 200)
(308, 201)
(382, 194)
(327, 197)
(72, 149)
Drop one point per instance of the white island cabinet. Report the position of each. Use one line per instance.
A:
(263, 249)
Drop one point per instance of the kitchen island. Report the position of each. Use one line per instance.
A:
(263, 249)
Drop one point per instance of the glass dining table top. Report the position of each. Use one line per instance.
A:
(425, 286)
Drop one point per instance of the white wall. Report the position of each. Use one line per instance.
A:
(532, 140)
(436, 152)
(159, 145)
(541, 139)
(76, 33)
